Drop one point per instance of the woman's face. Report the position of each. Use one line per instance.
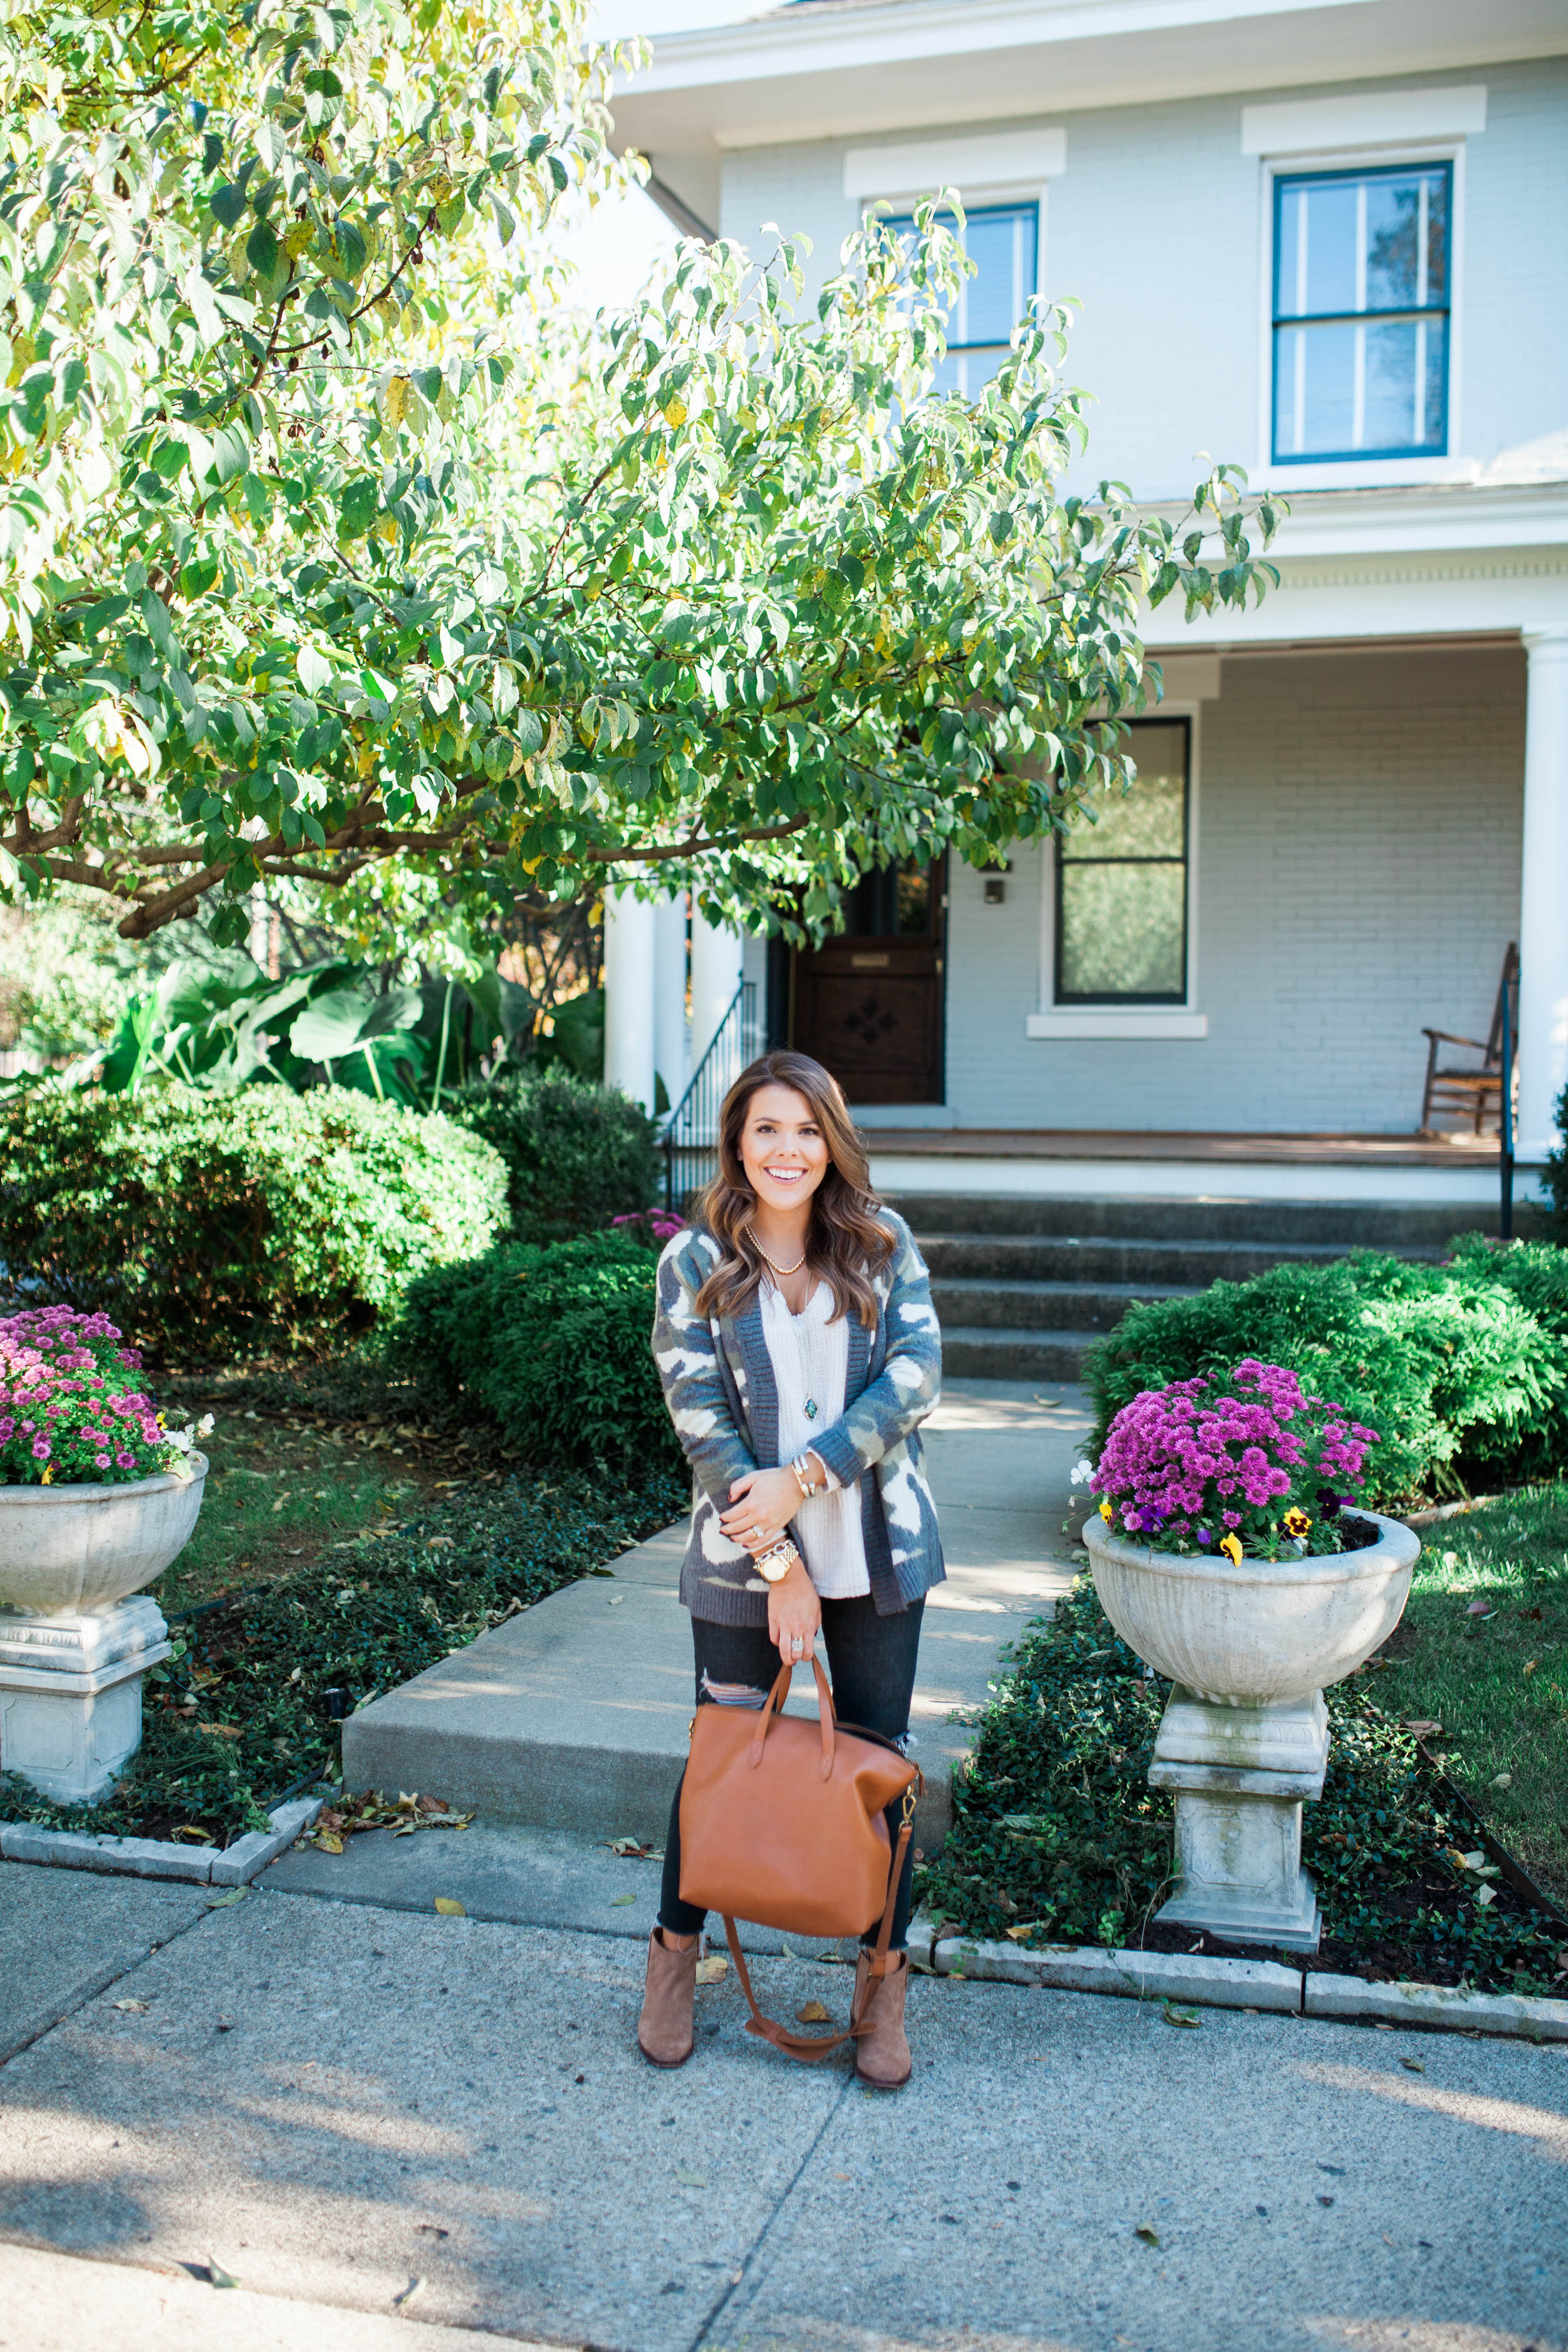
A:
(782, 1149)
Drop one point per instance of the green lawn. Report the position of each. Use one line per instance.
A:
(280, 1494)
(1496, 1679)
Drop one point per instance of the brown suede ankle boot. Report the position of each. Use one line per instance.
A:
(882, 2056)
(665, 2031)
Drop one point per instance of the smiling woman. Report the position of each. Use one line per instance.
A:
(799, 1353)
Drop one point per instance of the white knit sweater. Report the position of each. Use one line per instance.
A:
(810, 1358)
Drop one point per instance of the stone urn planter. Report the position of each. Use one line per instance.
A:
(1249, 1648)
(78, 1630)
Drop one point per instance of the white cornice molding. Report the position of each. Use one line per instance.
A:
(909, 167)
(1364, 118)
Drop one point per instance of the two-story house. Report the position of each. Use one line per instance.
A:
(1330, 242)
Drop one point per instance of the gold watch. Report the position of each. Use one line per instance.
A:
(774, 1563)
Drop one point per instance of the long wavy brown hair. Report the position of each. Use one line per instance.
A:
(844, 1245)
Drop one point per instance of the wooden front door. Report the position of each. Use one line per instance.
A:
(868, 1005)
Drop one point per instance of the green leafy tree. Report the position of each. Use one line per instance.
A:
(314, 562)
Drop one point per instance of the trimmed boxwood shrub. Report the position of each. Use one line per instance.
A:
(196, 1220)
(1462, 1368)
(576, 1154)
(552, 1342)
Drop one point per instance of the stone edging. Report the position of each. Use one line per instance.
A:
(159, 1857)
(1236, 1984)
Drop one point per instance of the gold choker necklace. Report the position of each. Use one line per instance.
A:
(784, 1271)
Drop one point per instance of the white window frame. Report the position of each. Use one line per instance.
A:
(1005, 168)
(1362, 473)
(1110, 1021)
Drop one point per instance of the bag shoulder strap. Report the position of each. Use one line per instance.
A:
(808, 2047)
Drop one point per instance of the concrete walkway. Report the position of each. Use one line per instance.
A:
(332, 2100)
(573, 1716)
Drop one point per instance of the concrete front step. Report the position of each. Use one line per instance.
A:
(573, 1716)
(1045, 1305)
(1405, 1227)
(1142, 1265)
(972, 1351)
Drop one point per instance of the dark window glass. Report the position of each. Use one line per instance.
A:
(891, 902)
(1002, 243)
(1361, 313)
(1121, 884)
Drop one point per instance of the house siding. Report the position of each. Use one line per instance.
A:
(1156, 226)
(1359, 823)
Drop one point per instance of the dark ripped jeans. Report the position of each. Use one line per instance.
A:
(871, 1664)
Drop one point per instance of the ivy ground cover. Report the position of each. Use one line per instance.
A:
(1059, 1839)
(339, 1551)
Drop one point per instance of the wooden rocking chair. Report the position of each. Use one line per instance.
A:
(1474, 1094)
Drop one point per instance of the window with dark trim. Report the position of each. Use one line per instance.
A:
(1003, 242)
(1361, 313)
(1121, 882)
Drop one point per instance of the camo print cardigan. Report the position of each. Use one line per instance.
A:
(721, 1390)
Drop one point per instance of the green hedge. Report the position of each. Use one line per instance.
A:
(551, 1341)
(576, 1154)
(1460, 1368)
(196, 1220)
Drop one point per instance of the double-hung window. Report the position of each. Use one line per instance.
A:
(1122, 883)
(1361, 313)
(1002, 241)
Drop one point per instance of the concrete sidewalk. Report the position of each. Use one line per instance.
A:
(573, 1716)
(332, 2100)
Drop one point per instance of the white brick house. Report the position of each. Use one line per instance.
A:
(1329, 243)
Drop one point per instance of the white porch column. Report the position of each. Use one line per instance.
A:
(670, 994)
(1543, 904)
(629, 996)
(716, 960)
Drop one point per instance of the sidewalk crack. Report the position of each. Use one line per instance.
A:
(704, 2336)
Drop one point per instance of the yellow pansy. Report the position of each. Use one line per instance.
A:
(1231, 1547)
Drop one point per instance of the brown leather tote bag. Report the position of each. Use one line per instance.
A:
(781, 1822)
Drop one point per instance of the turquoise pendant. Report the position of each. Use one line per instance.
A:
(810, 1408)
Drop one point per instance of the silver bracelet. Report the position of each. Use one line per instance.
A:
(808, 1487)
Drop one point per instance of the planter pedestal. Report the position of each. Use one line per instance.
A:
(70, 1695)
(1240, 1774)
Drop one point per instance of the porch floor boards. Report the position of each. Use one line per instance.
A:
(1115, 1143)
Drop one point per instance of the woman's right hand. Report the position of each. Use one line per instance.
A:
(794, 1614)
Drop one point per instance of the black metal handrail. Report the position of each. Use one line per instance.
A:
(690, 1140)
(1505, 1119)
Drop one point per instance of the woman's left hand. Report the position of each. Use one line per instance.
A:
(761, 1505)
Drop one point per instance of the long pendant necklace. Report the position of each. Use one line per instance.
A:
(812, 1406)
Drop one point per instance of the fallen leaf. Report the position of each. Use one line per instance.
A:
(218, 2275)
(1530, 1665)
(1503, 1781)
(616, 1599)
(329, 1844)
(691, 2179)
(133, 2004)
(450, 1907)
(1421, 1726)
(439, 1543)
(1413, 2066)
(1485, 1894)
(415, 2286)
(812, 2014)
(1173, 2016)
(188, 1829)
(1020, 1935)
(222, 1902)
(710, 1970)
(1479, 1609)
(618, 1901)
(841, 2176)
(1147, 2231)
(278, 1504)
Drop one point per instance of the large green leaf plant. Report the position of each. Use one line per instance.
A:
(314, 560)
